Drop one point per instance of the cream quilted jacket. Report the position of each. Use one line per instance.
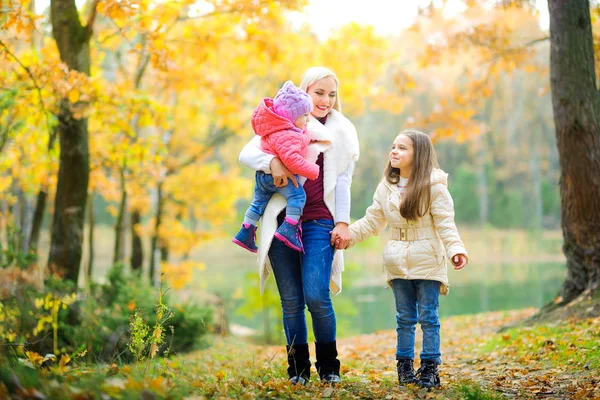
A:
(416, 249)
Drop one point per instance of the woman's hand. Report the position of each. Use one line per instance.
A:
(459, 261)
(340, 236)
(281, 174)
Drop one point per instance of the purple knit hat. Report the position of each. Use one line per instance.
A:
(292, 102)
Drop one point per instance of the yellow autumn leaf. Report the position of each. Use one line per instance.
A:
(157, 333)
(34, 357)
(145, 120)
(69, 299)
(117, 13)
(220, 375)
(158, 385)
(153, 350)
(74, 96)
(134, 384)
(39, 302)
(64, 360)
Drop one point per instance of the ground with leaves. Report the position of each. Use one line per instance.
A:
(550, 361)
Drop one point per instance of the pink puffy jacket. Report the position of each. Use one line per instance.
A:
(280, 137)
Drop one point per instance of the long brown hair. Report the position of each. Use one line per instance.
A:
(416, 198)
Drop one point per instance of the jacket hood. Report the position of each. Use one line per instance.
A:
(265, 121)
(439, 176)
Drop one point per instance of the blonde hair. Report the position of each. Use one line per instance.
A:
(416, 198)
(314, 74)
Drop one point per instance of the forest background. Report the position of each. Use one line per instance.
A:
(128, 117)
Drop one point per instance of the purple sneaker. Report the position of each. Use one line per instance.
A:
(290, 233)
(246, 238)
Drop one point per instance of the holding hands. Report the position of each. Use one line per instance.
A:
(340, 236)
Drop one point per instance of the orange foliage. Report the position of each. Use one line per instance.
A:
(173, 81)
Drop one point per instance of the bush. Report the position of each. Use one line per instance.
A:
(57, 321)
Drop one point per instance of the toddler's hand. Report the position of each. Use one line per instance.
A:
(459, 261)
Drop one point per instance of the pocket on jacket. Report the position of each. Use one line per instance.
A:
(437, 249)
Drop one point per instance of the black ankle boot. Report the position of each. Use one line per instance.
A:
(429, 377)
(298, 363)
(327, 363)
(406, 372)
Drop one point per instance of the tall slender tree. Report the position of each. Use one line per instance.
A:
(72, 39)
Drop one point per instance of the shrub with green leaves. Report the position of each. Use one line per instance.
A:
(98, 322)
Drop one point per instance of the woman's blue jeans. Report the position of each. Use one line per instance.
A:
(303, 279)
(417, 301)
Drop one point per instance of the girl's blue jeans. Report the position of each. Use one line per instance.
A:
(417, 301)
(303, 279)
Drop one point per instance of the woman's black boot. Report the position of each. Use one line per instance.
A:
(328, 366)
(298, 363)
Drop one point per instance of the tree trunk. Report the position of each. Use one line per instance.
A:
(24, 221)
(119, 250)
(137, 252)
(71, 196)
(155, 238)
(40, 205)
(576, 106)
(164, 253)
(38, 219)
(66, 242)
(91, 227)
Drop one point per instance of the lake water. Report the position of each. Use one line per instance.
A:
(536, 285)
(366, 305)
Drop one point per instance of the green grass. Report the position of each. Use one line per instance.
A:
(568, 343)
(469, 390)
(233, 368)
(228, 370)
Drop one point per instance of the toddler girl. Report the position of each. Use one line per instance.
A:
(281, 124)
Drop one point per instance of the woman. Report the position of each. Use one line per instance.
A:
(308, 278)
